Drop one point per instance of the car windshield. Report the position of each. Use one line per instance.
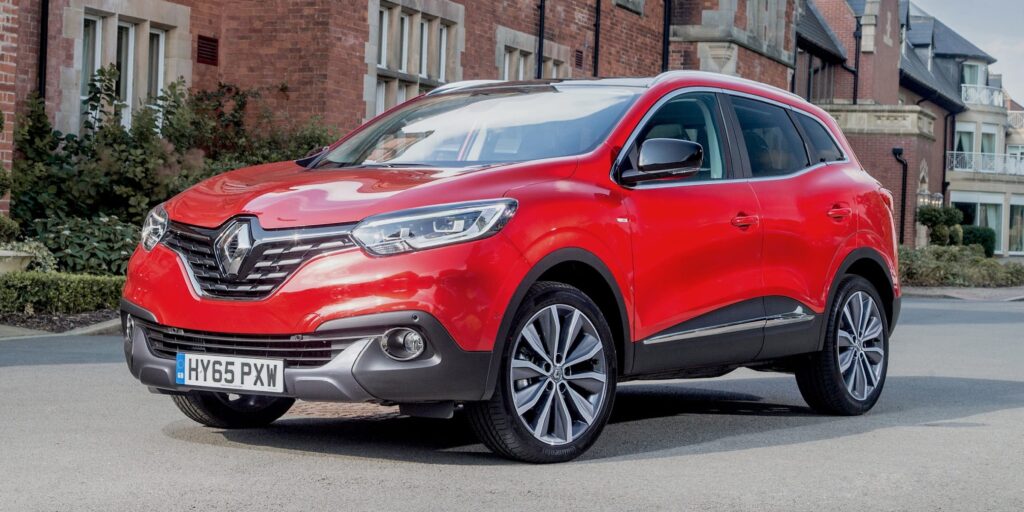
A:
(492, 126)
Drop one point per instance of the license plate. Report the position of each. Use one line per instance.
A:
(238, 373)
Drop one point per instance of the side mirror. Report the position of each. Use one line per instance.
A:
(665, 158)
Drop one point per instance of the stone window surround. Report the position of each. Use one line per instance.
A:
(146, 15)
(508, 40)
(435, 12)
(718, 37)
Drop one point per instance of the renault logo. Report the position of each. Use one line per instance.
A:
(232, 247)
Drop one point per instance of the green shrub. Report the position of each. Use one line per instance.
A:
(42, 259)
(956, 234)
(956, 266)
(931, 216)
(983, 236)
(939, 235)
(35, 292)
(100, 246)
(952, 216)
(9, 228)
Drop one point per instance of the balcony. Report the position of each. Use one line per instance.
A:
(982, 95)
(987, 163)
(1016, 119)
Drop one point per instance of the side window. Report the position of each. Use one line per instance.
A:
(693, 117)
(773, 144)
(821, 145)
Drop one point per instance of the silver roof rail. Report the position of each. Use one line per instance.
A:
(465, 84)
(684, 73)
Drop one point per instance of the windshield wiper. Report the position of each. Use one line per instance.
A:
(387, 165)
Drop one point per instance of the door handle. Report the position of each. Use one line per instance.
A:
(743, 221)
(839, 212)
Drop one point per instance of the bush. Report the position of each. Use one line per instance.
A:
(956, 266)
(956, 234)
(983, 236)
(35, 292)
(42, 258)
(100, 246)
(9, 228)
(952, 216)
(939, 235)
(931, 216)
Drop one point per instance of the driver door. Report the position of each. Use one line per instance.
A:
(697, 245)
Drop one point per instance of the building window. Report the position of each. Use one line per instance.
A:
(506, 64)
(125, 60)
(424, 48)
(442, 53)
(157, 52)
(381, 97)
(981, 209)
(1016, 245)
(974, 74)
(521, 65)
(91, 51)
(382, 38)
(403, 26)
(965, 137)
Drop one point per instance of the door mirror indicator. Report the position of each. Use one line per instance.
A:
(666, 158)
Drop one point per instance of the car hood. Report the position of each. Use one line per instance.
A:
(286, 194)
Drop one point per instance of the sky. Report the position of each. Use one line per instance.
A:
(995, 26)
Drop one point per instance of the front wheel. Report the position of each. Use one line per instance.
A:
(224, 410)
(847, 376)
(557, 383)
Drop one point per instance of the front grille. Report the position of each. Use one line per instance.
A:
(297, 351)
(274, 256)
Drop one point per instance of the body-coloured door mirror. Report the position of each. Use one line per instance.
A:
(664, 158)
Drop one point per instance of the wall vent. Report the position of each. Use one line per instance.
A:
(579, 59)
(207, 50)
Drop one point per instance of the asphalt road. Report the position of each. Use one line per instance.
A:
(77, 433)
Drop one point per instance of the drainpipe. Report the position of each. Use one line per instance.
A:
(44, 35)
(597, 36)
(948, 141)
(897, 152)
(540, 42)
(666, 28)
(857, 35)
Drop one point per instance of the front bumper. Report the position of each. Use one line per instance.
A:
(359, 373)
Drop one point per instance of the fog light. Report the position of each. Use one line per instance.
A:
(402, 344)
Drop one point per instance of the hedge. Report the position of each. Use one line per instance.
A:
(54, 292)
(956, 266)
(983, 236)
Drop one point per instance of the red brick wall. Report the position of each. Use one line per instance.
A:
(879, 75)
(755, 66)
(8, 77)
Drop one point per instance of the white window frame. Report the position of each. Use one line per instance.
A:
(129, 78)
(404, 21)
(401, 95)
(383, 19)
(162, 59)
(380, 97)
(442, 52)
(980, 73)
(98, 57)
(521, 66)
(506, 65)
(424, 47)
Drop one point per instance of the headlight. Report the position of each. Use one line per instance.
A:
(154, 228)
(434, 226)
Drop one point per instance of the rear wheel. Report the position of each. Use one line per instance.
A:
(847, 376)
(557, 382)
(226, 410)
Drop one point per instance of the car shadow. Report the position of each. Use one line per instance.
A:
(650, 420)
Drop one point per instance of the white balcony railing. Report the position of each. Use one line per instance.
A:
(991, 163)
(1016, 119)
(982, 95)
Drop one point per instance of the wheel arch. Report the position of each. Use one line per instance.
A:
(869, 264)
(584, 270)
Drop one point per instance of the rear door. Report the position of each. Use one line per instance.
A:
(807, 211)
(696, 245)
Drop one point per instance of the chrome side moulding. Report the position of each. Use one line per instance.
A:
(799, 315)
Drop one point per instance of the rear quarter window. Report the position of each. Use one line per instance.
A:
(820, 144)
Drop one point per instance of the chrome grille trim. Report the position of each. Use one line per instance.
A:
(274, 257)
(297, 351)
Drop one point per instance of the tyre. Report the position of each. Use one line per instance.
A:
(557, 383)
(847, 376)
(223, 410)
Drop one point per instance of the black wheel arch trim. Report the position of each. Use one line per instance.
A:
(565, 255)
(855, 256)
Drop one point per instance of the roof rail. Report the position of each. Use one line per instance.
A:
(465, 84)
(684, 73)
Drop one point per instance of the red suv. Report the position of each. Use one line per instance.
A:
(516, 250)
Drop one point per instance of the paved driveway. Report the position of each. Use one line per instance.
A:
(78, 433)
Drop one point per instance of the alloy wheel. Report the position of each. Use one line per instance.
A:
(558, 374)
(861, 345)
